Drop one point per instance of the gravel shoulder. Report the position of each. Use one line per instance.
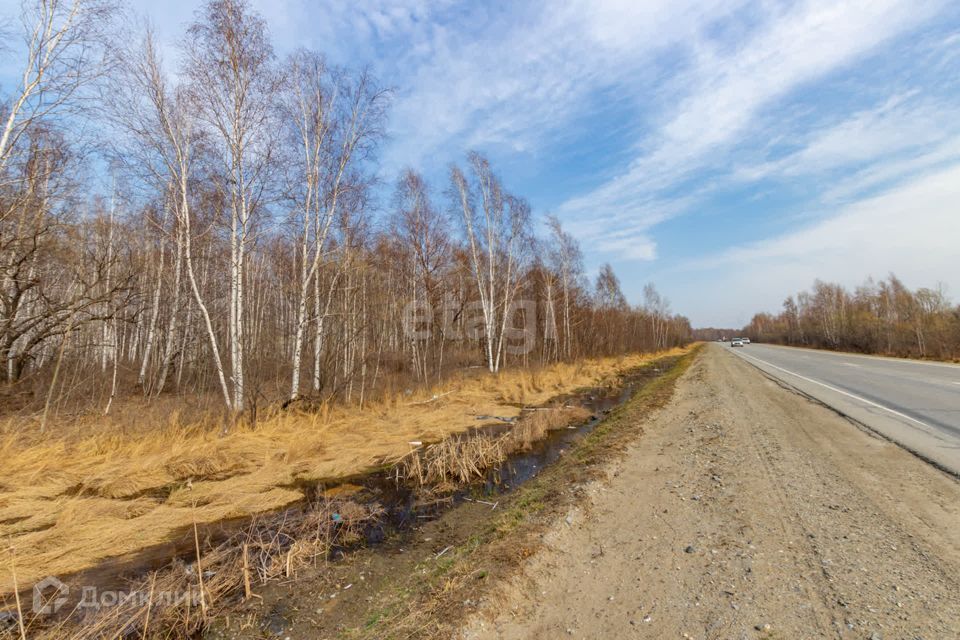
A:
(745, 510)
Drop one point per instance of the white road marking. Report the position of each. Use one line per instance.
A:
(850, 364)
(842, 392)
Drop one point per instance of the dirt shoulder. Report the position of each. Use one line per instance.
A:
(745, 511)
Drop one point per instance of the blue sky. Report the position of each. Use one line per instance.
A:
(731, 152)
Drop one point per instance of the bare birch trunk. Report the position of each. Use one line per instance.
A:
(154, 314)
(171, 334)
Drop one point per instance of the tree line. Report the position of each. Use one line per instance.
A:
(235, 241)
(882, 317)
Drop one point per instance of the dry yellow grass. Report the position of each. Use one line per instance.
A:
(68, 503)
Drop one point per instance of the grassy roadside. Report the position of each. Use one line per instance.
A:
(59, 494)
(434, 598)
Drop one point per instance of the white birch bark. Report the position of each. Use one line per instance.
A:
(154, 315)
(171, 333)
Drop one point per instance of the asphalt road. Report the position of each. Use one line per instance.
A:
(913, 403)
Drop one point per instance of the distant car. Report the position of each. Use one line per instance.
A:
(745, 341)
(737, 342)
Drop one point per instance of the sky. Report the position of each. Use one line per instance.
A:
(729, 151)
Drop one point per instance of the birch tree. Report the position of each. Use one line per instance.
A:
(567, 260)
(232, 81)
(422, 236)
(658, 308)
(66, 49)
(164, 135)
(495, 226)
(335, 121)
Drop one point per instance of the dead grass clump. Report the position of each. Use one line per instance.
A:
(454, 460)
(461, 459)
(535, 425)
(179, 600)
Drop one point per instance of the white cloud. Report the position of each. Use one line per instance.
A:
(921, 213)
(882, 136)
(911, 230)
(633, 247)
(515, 79)
(890, 171)
(726, 91)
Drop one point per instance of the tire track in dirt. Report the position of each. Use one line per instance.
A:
(808, 561)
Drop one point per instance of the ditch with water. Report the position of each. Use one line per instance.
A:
(401, 507)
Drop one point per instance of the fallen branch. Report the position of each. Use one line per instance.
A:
(491, 504)
(435, 397)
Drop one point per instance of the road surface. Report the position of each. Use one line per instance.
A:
(745, 511)
(914, 403)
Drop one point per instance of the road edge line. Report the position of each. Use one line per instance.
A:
(954, 475)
